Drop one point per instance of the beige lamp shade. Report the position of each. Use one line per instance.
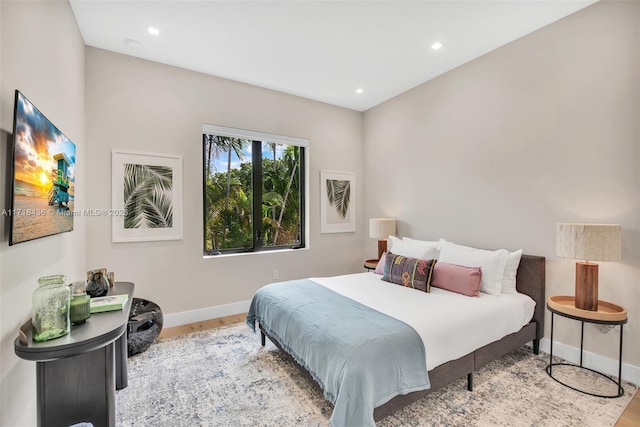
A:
(590, 242)
(382, 228)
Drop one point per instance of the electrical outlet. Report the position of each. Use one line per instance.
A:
(275, 274)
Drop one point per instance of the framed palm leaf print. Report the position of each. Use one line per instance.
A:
(337, 202)
(146, 197)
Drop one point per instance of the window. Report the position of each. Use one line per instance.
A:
(254, 191)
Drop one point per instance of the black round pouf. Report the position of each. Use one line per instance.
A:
(145, 325)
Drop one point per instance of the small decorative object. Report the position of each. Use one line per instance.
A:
(79, 303)
(108, 303)
(50, 310)
(98, 285)
(111, 279)
(381, 229)
(145, 325)
(590, 242)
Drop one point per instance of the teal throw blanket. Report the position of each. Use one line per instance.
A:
(360, 357)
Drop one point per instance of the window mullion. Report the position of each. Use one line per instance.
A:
(256, 158)
(302, 185)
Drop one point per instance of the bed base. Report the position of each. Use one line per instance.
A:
(451, 371)
(444, 374)
(530, 281)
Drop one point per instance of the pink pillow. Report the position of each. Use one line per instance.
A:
(457, 278)
(380, 267)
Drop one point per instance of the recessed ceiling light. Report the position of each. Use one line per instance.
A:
(436, 46)
(154, 31)
(359, 90)
(132, 44)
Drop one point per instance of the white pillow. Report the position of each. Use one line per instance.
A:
(392, 241)
(408, 249)
(491, 263)
(427, 243)
(510, 270)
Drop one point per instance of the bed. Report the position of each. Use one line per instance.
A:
(441, 365)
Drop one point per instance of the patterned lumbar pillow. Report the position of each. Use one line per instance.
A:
(409, 272)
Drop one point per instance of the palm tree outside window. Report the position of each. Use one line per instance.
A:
(253, 192)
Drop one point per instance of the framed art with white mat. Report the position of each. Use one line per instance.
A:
(146, 197)
(337, 202)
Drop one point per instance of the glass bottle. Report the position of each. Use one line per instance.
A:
(50, 309)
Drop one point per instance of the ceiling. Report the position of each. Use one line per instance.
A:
(321, 50)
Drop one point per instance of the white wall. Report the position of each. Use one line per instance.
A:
(143, 106)
(492, 154)
(496, 152)
(42, 54)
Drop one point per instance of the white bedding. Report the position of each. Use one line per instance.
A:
(450, 325)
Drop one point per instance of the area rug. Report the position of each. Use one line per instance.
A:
(223, 377)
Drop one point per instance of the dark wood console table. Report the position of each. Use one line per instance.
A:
(77, 374)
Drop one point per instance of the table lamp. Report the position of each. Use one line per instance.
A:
(589, 242)
(381, 228)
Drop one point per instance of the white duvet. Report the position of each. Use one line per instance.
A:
(450, 325)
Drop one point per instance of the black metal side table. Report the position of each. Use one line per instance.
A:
(607, 314)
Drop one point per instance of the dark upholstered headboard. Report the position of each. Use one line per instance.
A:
(530, 280)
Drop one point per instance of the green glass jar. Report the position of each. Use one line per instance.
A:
(50, 309)
(80, 309)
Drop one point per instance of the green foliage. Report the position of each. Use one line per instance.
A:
(339, 194)
(228, 197)
(147, 196)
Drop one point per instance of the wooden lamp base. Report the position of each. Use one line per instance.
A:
(587, 286)
(382, 248)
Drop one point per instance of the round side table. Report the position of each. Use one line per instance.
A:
(370, 264)
(607, 314)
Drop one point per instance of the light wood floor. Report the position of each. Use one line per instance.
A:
(201, 326)
(630, 417)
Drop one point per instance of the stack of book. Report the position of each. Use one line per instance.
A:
(108, 303)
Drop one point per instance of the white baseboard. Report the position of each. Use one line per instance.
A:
(593, 361)
(207, 313)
